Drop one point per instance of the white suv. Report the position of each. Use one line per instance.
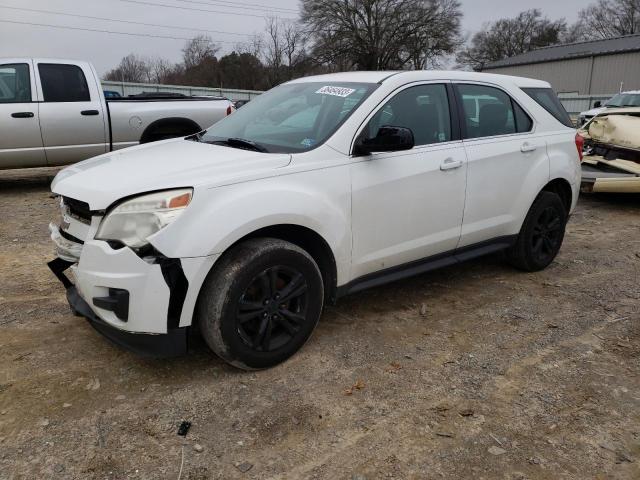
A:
(321, 187)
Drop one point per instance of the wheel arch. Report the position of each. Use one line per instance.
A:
(562, 188)
(181, 124)
(310, 241)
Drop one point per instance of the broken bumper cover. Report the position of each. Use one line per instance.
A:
(136, 335)
(170, 344)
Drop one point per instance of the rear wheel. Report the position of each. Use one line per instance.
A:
(541, 235)
(261, 303)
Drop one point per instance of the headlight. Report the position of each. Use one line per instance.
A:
(132, 222)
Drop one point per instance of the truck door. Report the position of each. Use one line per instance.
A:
(20, 140)
(72, 118)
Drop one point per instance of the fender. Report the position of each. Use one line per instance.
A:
(319, 200)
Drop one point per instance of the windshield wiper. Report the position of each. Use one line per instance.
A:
(242, 143)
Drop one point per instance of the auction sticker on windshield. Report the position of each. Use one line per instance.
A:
(337, 91)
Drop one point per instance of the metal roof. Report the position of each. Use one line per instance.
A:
(628, 43)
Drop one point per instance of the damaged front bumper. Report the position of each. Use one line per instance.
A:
(169, 344)
(142, 304)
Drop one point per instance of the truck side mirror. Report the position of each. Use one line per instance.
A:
(597, 104)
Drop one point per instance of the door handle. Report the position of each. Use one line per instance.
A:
(22, 115)
(528, 147)
(450, 164)
(89, 112)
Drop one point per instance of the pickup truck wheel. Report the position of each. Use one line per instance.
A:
(261, 303)
(541, 234)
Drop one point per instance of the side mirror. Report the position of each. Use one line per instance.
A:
(597, 104)
(388, 139)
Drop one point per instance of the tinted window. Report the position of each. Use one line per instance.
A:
(523, 121)
(63, 83)
(15, 85)
(488, 111)
(549, 101)
(424, 109)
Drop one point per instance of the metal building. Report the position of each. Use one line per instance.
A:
(593, 68)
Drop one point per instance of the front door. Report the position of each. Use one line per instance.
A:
(408, 205)
(20, 139)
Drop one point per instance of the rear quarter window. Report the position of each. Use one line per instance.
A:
(547, 99)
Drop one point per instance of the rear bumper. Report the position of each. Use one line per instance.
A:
(170, 344)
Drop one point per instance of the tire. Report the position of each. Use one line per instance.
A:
(261, 303)
(541, 235)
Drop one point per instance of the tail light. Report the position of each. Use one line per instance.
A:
(579, 144)
(229, 110)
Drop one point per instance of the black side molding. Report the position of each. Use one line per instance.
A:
(427, 264)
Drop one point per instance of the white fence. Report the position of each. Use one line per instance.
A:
(127, 88)
(573, 103)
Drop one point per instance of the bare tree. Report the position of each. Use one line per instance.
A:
(381, 34)
(508, 37)
(610, 18)
(282, 49)
(132, 68)
(197, 50)
(160, 69)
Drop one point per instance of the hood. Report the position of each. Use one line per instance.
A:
(593, 112)
(102, 180)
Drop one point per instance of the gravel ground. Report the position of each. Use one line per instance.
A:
(476, 371)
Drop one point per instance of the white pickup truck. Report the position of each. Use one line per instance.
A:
(53, 112)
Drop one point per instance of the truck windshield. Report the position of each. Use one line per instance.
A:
(291, 118)
(624, 100)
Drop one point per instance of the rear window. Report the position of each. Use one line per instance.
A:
(548, 100)
(63, 83)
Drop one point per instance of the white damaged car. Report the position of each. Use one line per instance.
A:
(321, 187)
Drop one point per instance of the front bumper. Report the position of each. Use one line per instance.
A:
(143, 304)
(172, 343)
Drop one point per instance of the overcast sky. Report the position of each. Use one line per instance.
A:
(226, 21)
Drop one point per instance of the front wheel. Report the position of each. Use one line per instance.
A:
(261, 303)
(541, 234)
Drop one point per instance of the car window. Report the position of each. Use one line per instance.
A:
(293, 117)
(423, 108)
(548, 100)
(624, 100)
(488, 111)
(63, 83)
(15, 84)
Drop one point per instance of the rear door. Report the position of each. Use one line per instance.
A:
(20, 139)
(506, 156)
(71, 112)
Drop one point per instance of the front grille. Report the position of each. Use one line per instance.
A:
(77, 209)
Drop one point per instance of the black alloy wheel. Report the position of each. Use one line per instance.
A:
(541, 235)
(547, 234)
(272, 309)
(260, 303)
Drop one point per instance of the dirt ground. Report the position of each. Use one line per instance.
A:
(476, 371)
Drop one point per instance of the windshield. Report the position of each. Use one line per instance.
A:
(290, 118)
(624, 100)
